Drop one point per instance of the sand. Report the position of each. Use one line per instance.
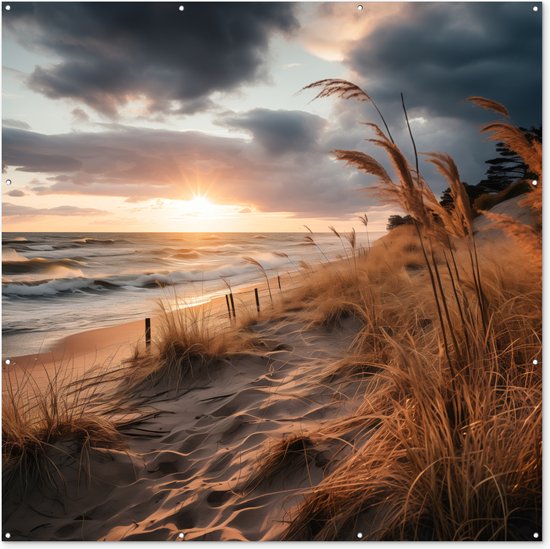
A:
(184, 470)
(187, 468)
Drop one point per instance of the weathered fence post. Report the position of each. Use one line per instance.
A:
(232, 304)
(228, 306)
(147, 333)
(279, 281)
(257, 299)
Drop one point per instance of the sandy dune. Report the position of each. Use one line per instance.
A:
(185, 470)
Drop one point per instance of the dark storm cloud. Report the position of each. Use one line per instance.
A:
(111, 53)
(140, 164)
(281, 131)
(459, 138)
(440, 53)
(34, 152)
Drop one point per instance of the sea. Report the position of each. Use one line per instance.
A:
(58, 284)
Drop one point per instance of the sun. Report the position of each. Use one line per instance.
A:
(201, 206)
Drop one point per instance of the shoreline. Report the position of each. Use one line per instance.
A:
(105, 348)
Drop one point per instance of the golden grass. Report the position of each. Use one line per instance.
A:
(450, 447)
(282, 457)
(191, 341)
(436, 457)
(42, 426)
(489, 104)
(418, 475)
(524, 236)
(512, 136)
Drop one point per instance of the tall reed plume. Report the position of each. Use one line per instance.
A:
(456, 451)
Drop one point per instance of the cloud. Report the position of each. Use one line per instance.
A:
(112, 53)
(35, 152)
(141, 164)
(438, 54)
(281, 131)
(16, 193)
(11, 123)
(333, 27)
(13, 210)
(80, 116)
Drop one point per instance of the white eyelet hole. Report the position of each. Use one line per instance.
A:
(8, 8)
(181, 8)
(7, 535)
(535, 362)
(536, 535)
(535, 8)
(7, 361)
(8, 181)
(181, 535)
(360, 7)
(359, 535)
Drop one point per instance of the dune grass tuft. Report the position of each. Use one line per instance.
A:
(190, 342)
(43, 425)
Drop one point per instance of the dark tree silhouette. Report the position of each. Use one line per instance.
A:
(398, 220)
(504, 170)
(508, 167)
(473, 191)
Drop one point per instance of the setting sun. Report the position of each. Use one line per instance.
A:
(201, 206)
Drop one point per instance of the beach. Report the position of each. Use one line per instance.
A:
(272, 271)
(59, 284)
(236, 445)
(95, 352)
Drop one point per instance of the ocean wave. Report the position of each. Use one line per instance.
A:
(154, 281)
(186, 254)
(80, 284)
(50, 288)
(90, 240)
(222, 249)
(40, 248)
(79, 253)
(23, 265)
(16, 240)
(9, 254)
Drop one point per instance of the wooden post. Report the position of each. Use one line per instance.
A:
(257, 299)
(279, 281)
(147, 333)
(228, 306)
(232, 304)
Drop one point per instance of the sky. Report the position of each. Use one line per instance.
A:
(145, 117)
